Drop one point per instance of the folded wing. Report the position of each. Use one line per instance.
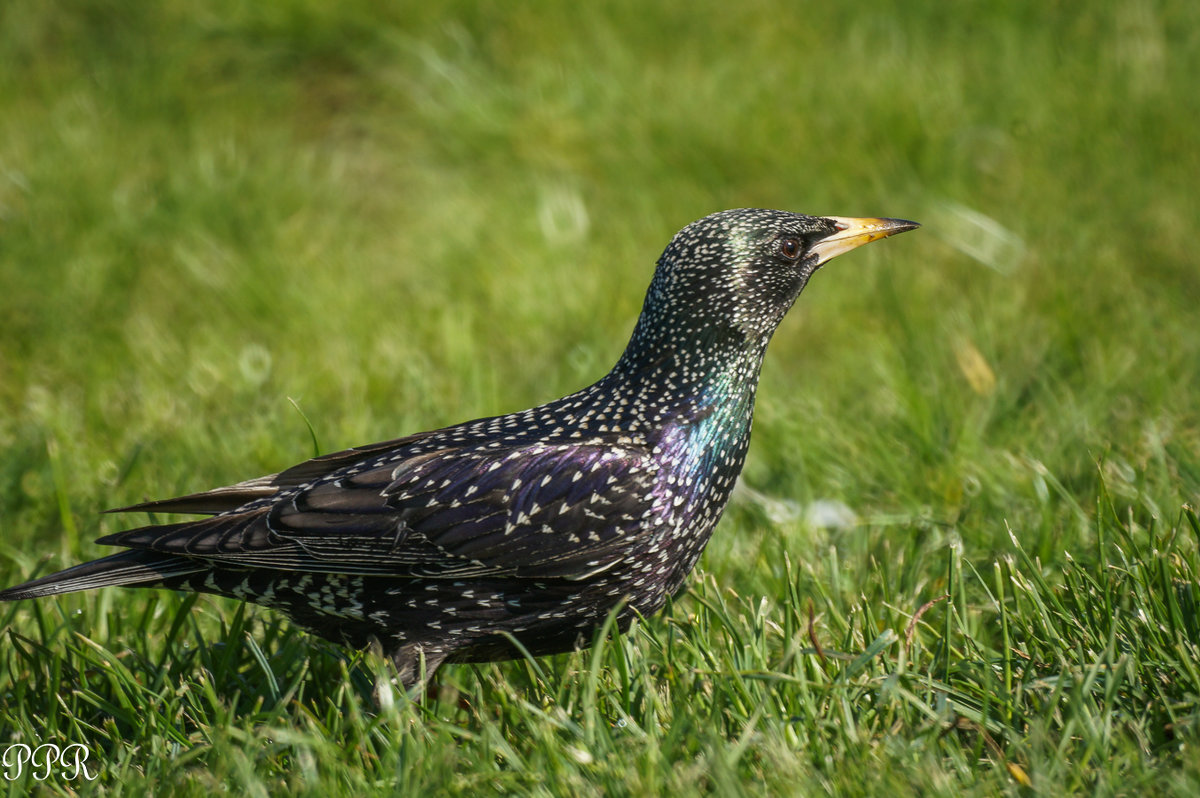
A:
(519, 509)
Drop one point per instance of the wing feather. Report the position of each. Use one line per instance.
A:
(524, 509)
(234, 497)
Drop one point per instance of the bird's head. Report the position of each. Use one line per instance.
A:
(739, 271)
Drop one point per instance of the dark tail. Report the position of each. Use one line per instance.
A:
(131, 568)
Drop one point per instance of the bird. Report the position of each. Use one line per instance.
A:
(454, 545)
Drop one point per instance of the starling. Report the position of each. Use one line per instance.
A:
(447, 545)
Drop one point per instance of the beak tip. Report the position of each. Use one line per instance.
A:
(884, 227)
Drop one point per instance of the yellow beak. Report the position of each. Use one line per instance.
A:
(853, 233)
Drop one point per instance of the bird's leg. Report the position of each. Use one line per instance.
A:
(416, 664)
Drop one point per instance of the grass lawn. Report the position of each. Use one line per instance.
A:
(964, 555)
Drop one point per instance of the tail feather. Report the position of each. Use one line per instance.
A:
(131, 568)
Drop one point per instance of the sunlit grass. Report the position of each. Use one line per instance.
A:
(404, 218)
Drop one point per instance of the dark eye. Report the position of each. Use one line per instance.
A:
(791, 248)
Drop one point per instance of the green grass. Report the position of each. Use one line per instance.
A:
(406, 217)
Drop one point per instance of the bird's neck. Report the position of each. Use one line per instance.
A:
(708, 371)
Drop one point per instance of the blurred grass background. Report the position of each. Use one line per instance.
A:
(406, 215)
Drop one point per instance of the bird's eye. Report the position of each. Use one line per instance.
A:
(791, 248)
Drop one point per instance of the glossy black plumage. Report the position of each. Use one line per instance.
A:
(534, 524)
